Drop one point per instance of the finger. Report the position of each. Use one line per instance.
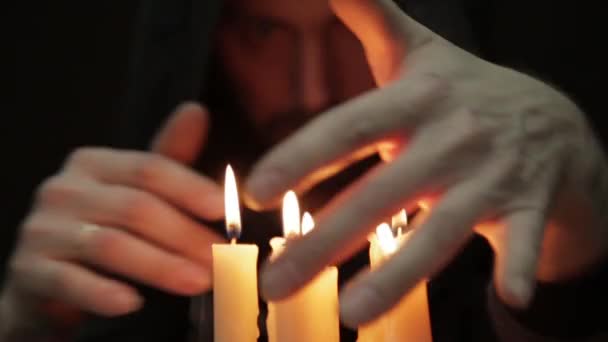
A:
(429, 165)
(342, 135)
(516, 265)
(158, 175)
(385, 32)
(425, 252)
(140, 213)
(184, 134)
(120, 253)
(75, 285)
(518, 252)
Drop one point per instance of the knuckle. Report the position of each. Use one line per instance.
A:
(508, 176)
(164, 271)
(435, 86)
(150, 168)
(428, 89)
(19, 271)
(56, 190)
(18, 267)
(135, 208)
(361, 131)
(80, 156)
(59, 280)
(35, 231)
(101, 244)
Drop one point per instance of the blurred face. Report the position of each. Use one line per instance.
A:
(289, 60)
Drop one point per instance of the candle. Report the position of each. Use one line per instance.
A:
(409, 320)
(290, 215)
(235, 294)
(312, 313)
(399, 222)
(375, 330)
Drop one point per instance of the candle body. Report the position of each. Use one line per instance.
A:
(235, 293)
(277, 244)
(374, 331)
(409, 320)
(311, 314)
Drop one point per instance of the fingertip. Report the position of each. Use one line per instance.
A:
(261, 189)
(251, 202)
(516, 292)
(279, 279)
(270, 283)
(190, 106)
(119, 300)
(191, 279)
(184, 133)
(352, 302)
(127, 302)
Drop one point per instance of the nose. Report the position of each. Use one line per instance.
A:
(311, 79)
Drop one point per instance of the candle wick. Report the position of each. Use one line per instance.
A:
(233, 241)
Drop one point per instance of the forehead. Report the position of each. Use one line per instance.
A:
(295, 12)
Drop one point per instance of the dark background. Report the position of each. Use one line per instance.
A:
(71, 66)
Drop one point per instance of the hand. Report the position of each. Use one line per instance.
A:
(117, 212)
(485, 146)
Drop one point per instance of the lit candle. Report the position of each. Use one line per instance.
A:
(312, 313)
(291, 228)
(409, 320)
(375, 331)
(235, 293)
(399, 222)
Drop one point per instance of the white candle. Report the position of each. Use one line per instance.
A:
(409, 320)
(375, 331)
(235, 293)
(312, 313)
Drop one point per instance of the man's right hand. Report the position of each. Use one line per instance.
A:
(119, 212)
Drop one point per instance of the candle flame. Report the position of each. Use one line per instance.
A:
(291, 215)
(399, 221)
(277, 243)
(231, 205)
(307, 223)
(386, 239)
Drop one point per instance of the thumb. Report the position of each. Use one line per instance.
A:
(184, 134)
(386, 33)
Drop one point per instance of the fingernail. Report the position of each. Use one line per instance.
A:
(522, 291)
(192, 279)
(353, 303)
(126, 302)
(277, 280)
(261, 185)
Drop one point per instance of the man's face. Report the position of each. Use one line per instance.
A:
(289, 60)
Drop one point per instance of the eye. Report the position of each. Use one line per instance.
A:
(263, 27)
(259, 31)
